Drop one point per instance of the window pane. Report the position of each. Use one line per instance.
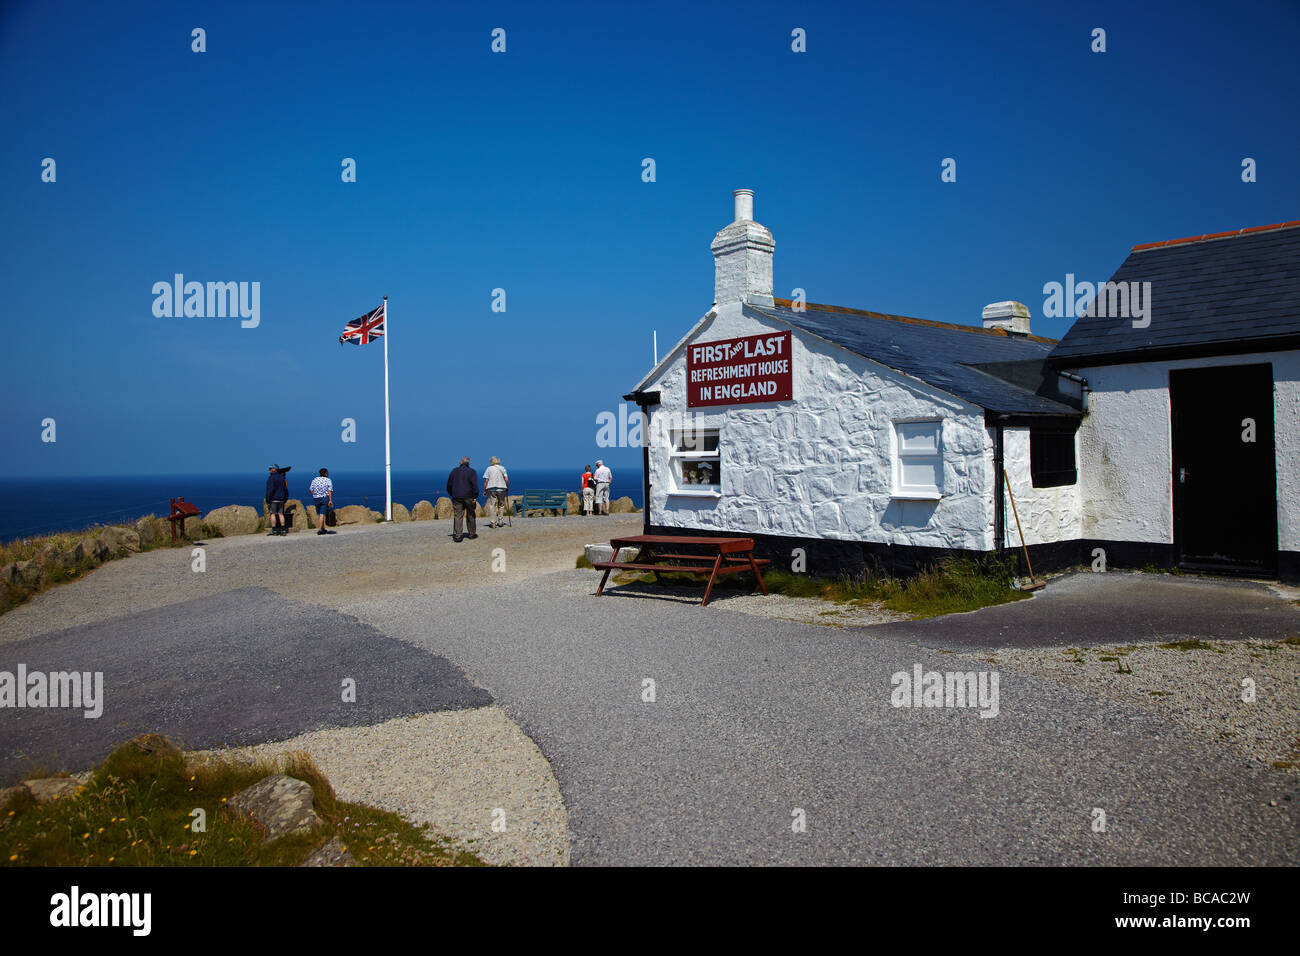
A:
(1051, 458)
(918, 438)
(920, 473)
(698, 441)
(700, 473)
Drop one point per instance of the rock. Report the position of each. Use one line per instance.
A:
(155, 745)
(622, 506)
(443, 508)
(480, 510)
(10, 574)
(280, 804)
(52, 788)
(29, 574)
(423, 511)
(603, 552)
(333, 852)
(149, 533)
(89, 550)
(11, 796)
(355, 514)
(232, 520)
(400, 513)
(575, 503)
(377, 516)
(52, 559)
(120, 539)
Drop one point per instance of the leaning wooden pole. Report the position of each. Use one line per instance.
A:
(1019, 530)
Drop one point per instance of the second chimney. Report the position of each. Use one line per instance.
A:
(1009, 316)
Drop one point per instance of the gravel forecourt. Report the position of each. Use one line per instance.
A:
(677, 734)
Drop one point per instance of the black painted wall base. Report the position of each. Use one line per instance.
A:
(823, 557)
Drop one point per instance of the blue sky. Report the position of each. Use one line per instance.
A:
(522, 171)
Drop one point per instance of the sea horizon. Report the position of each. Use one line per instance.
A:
(31, 506)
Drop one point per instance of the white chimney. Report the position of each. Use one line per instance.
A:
(1010, 316)
(742, 257)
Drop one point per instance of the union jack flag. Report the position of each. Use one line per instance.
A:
(364, 330)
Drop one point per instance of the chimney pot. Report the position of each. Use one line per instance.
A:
(744, 204)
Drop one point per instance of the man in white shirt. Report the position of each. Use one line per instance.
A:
(604, 478)
(496, 484)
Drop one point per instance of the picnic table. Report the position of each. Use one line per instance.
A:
(661, 553)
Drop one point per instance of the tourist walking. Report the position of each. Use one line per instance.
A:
(496, 489)
(604, 478)
(462, 489)
(277, 493)
(322, 495)
(588, 489)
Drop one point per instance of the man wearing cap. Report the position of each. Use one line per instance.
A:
(277, 493)
(604, 478)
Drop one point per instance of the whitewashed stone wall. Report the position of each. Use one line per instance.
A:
(820, 466)
(1046, 514)
(1126, 449)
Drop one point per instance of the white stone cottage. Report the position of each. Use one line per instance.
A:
(870, 439)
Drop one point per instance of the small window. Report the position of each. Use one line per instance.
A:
(1051, 458)
(918, 461)
(696, 461)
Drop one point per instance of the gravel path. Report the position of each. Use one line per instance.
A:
(1201, 688)
(755, 719)
(360, 562)
(451, 770)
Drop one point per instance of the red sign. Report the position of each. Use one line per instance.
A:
(756, 368)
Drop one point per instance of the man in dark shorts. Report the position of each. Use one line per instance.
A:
(277, 493)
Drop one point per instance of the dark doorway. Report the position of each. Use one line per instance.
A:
(1225, 486)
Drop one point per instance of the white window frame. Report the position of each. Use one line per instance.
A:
(677, 456)
(935, 457)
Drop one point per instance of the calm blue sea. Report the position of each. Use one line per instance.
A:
(30, 506)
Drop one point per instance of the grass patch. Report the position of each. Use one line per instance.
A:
(136, 811)
(582, 561)
(952, 586)
(1191, 644)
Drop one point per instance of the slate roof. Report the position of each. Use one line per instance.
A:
(1226, 292)
(938, 353)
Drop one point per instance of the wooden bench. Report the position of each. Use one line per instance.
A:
(181, 509)
(545, 499)
(722, 556)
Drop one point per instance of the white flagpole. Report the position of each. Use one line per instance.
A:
(388, 453)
